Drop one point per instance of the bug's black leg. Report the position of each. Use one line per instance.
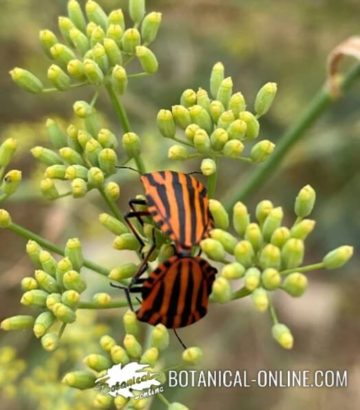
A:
(143, 266)
(135, 214)
(179, 339)
(127, 293)
(132, 204)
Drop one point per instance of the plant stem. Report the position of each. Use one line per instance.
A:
(114, 209)
(54, 90)
(273, 314)
(302, 269)
(162, 398)
(240, 293)
(111, 305)
(211, 185)
(321, 101)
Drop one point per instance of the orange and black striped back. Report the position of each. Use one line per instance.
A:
(179, 205)
(176, 293)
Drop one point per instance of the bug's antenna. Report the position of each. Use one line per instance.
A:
(179, 339)
(127, 294)
(195, 172)
(125, 167)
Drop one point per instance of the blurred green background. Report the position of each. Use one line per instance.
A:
(258, 41)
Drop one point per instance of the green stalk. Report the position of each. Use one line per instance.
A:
(114, 209)
(303, 269)
(321, 101)
(273, 314)
(240, 293)
(111, 305)
(211, 185)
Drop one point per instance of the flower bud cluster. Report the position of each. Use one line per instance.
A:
(12, 179)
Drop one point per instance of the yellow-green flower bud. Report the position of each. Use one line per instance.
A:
(150, 27)
(72, 280)
(280, 236)
(70, 298)
(117, 17)
(82, 138)
(43, 323)
(119, 355)
(76, 15)
(213, 249)
(188, 98)
(272, 222)
(112, 191)
(241, 218)
(265, 98)
(252, 279)
(302, 229)
(181, 116)
(254, 236)
(47, 40)
(120, 402)
(233, 271)
(5, 218)
(33, 249)
(131, 324)
(178, 152)
(36, 297)
(263, 210)
(112, 224)
(97, 362)
(218, 212)
(63, 266)
(233, 148)
(130, 40)
(97, 36)
(270, 257)
(295, 284)
(101, 299)
(202, 141)
(201, 117)
(70, 156)
(166, 124)
(48, 262)
(50, 341)
(190, 131)
(80, 379)
(107, 139)
(11, 182)
(58, 77)
(107, 342)
(283, 336)
(100, 57)
(76, 171)
(150, 356)
(227, 240)
(52, 300)
(76, 70)
(203, 99)
(95, 177)
(271, 278)
(74, 253)
(137, 10)
(26, 80)
(237, 130)
(293, 253)
(216, 78)
(93, 72)
(192, 355)
(159, 337)
(218, 139)
(7, 151)
(19, 322)
(305, 201)
(225, 91)
(132, 346)
(177, 406)
(64, 313)
(252, 124)
(216, 109)
(261, 151)
(226, 119)
(208, 167)
(96, 14)
(92, 150)
(113, 52)
(260, 299)
(221, 290)
(338, 257)
(102, 401)
(46, 281)
(28, 283)
(56, 135)
(79, 40)
(62, 54)
(237, 103)
(115, 33)
(126, 241)
(131, 144)
(46, 156)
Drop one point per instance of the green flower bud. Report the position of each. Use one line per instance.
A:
(252, 124)
(43, 323)
(96, 37)
(47, 40)
(117, 17)
(131, 144)
(74, 253)
(132, 346)
(218, 139)
(48, 262)
(130, 40)
(233, 148)
(112, 191)
(150, 27)
(93, 123)
(65, 25)
(5, 219)
(192, 355)
(96, 14)
(46, 155)
(120, 402)
(83, 137)
(102, 401)
(107, 139)
(302, 229)
(102, 299)
(93, 72)
(280, 236)
(260, 299)
(293, 253)
(201, 117)
(36, 297)
(252, 279)
(241, 218)
(305, 201)
(181, 116)
(270, 257)
(166, 124)
(96, 177)
(261, 151)
(76, 171)
(92, 151)
(70, 298)
(178, 152)
(119, 355)
(80, 379)
(115, 33)
(79, 40)
(254, 236)
(46, 281)
(63, 266)
(295, 284)
(113, 52)
(126, 241)
(202, 141)
(33, 249)
(28, 283)
(338, 257)
(227, 240)
(56, 135)
(76, 15)
(50, 341)
(262, 211)
(226, 119)
(213, 249)
(7, 151)
(225, 91)
(265, 98)
(191, 130)
(11, 182)
(237, 130)
(237, 103)
(70, 156)
(208, 167)
(150, 356)
(26, 80)
(52, 299)
(216, 78)
(221, 290)
(283, 336)
(107, 342)
(271, 279)
(233, 271)
(18, 322)
(188, 98)
(216, 109)
(100, 57)
(137, 10)
(112, 224)
(62, 54)
(58, 77)
(272, 222)
(203, 99)
(159, 337)
(177, 406)
(218, 212)
(97, 362)
(72, 280)
(131, 324)
(108, 160)
(166, 251)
